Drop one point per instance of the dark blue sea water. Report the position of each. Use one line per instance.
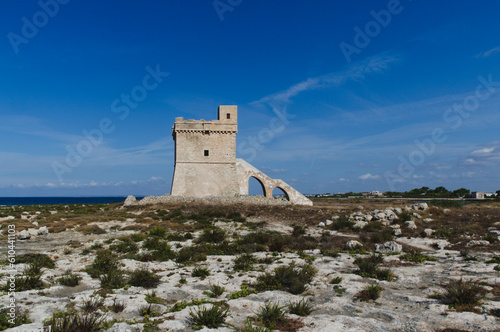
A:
(59, 200)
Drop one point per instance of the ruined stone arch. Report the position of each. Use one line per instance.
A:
(283, 190)
(260, 181)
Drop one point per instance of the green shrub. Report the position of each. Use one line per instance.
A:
(404, 216)
(342, 223)
(288, 278)
(381, 237)
(41, 260)
(104, 261)
(447, 204)
(143, 277)
(442, 233)
(118, 306)
(94, 229)
(215, 291)
(112, 279)
(137, 237)
(271, 315)
(69, 279)
(30, 279)
(73, 321)
(125, 245)
(368, 268)
(244, 262)
(162, 251)
(417, 257)
(370, 293)
(249, 327)
(298, 230)
(92, 304)
(494, 260)
(212, 235)
(330, 253)
(200, 272)
(212, 317)
(6, 321)
(301, 308)
(158, 231)
(462, 294)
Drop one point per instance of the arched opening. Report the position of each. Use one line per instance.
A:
(255, 187)
(280, 193)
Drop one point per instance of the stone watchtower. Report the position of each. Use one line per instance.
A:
(206, 164)
(205, 155)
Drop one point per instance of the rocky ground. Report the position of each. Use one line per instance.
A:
(257, 256)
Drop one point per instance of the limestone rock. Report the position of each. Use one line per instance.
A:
(24, 235)
(360, 224)
(388, 247)
(410, 224)
(406, 208)
(328, 222)
(353, 244)
(473, 243)
(416, 215)
(397, 232)
(321, 224)
(446, 210)
(397, 210)
(422, 206)
(427, 232)
(335, 217)
(130, 200)
(42, 231)
(428, 219)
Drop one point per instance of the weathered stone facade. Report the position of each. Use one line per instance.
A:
(206, 164)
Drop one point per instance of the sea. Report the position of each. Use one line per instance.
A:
(60, 200)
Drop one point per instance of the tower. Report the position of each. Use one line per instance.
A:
(205, 155)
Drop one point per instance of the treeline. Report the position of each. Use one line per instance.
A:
(438, 192)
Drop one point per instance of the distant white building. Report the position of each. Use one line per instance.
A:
(477, 195)
(490, 195)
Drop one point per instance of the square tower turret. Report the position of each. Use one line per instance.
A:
(228, 113)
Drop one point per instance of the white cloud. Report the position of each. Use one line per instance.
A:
(368, 176)
(489, 52)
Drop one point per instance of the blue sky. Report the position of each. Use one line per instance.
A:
(333, 96)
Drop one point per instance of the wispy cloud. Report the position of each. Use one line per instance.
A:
(489, 52)
(368, 176)
(356, 71)
(487, 155)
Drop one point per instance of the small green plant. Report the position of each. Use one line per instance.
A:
(245, 291)
(73, 321)
(463, 295)
(200, 272)
(118, 306)
(404, 216)
(143, 277)
(331, 253)
(336, 280)
(6, 321)
(497, 268)
(149, 311)
(494, 260)
(215, 291)
(152, 298)
(417, 257)
(339, 290)
(92, 304)
(249, 327)
(271, 315)
(301, 308)
(182, 281)
(69, 279)
(370, 293)
(368, 268)
(212, 317)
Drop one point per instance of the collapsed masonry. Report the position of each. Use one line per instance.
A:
(206, 163)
